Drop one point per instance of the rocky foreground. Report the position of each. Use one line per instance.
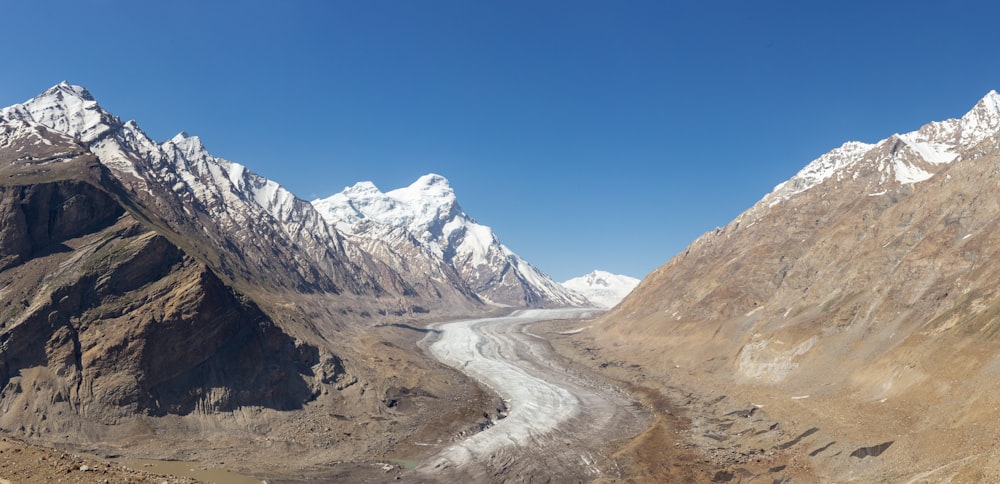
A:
(24, 462)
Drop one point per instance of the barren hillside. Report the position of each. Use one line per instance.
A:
(857, 308)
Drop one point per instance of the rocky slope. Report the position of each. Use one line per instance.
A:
(168, 303)
(856, 303)
(602, 288)
(257, 233)
(106, 319)
(423, 224)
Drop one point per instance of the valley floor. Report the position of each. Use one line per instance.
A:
(557, 423)
(576, 416)
(24, 462)
(568, 412)
(696, 435)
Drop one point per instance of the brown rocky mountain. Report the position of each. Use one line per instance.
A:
(252, 231)
(146, 305)
(105, 318)
(856, 304)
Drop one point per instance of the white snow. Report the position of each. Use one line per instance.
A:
(934, 153)
(603, 288)
(907, 173)
(64, 108)
(819, 170)
(428, 210)
(934, 144)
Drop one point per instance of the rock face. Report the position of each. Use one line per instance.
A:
(855, 284)
(251, 230)
(105, 319)
(423, 225)
(150, 334)
(151, 289)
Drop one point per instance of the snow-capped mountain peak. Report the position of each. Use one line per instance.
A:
(65, 108)
(429, 212)
(603, 288)
(980, 122)
(414, 241)
(189, 146)
(182, 137)
(425, 204)
(901, 158)
(422, 207)
(73, 90)
(363, 187)
(430, 182)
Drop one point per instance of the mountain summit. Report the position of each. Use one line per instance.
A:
(901, 158)
(429, 215)
(247, 208)
(602, 288)
(153, 287)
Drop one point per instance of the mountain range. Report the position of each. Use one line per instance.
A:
(856, 304)
(424, 221)
(458, 261)
(151, 288)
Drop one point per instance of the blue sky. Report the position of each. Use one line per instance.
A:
(587, 134)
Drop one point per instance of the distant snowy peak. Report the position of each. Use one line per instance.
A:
(420, 207)
(602, 288)
(424, 205)
(429, 212)
(981, 122)
(901, 158)
(424, 208)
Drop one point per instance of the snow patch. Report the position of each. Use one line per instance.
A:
(934, 144)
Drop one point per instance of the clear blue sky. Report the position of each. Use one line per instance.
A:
(588, 134)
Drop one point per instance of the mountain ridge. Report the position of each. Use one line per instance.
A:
(855, 304)
(155, 297)
(249, 205)
(932, 144)
(429, 212)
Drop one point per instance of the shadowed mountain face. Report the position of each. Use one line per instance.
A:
(104, 318)
(866, 283)
(423, 254)
(253, 232)
(152, 295)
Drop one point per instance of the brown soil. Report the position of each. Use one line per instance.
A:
(398, 408)
(24, 462)
(696, 436)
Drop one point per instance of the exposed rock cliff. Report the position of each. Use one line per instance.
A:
(132, 317)
(105, 319)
